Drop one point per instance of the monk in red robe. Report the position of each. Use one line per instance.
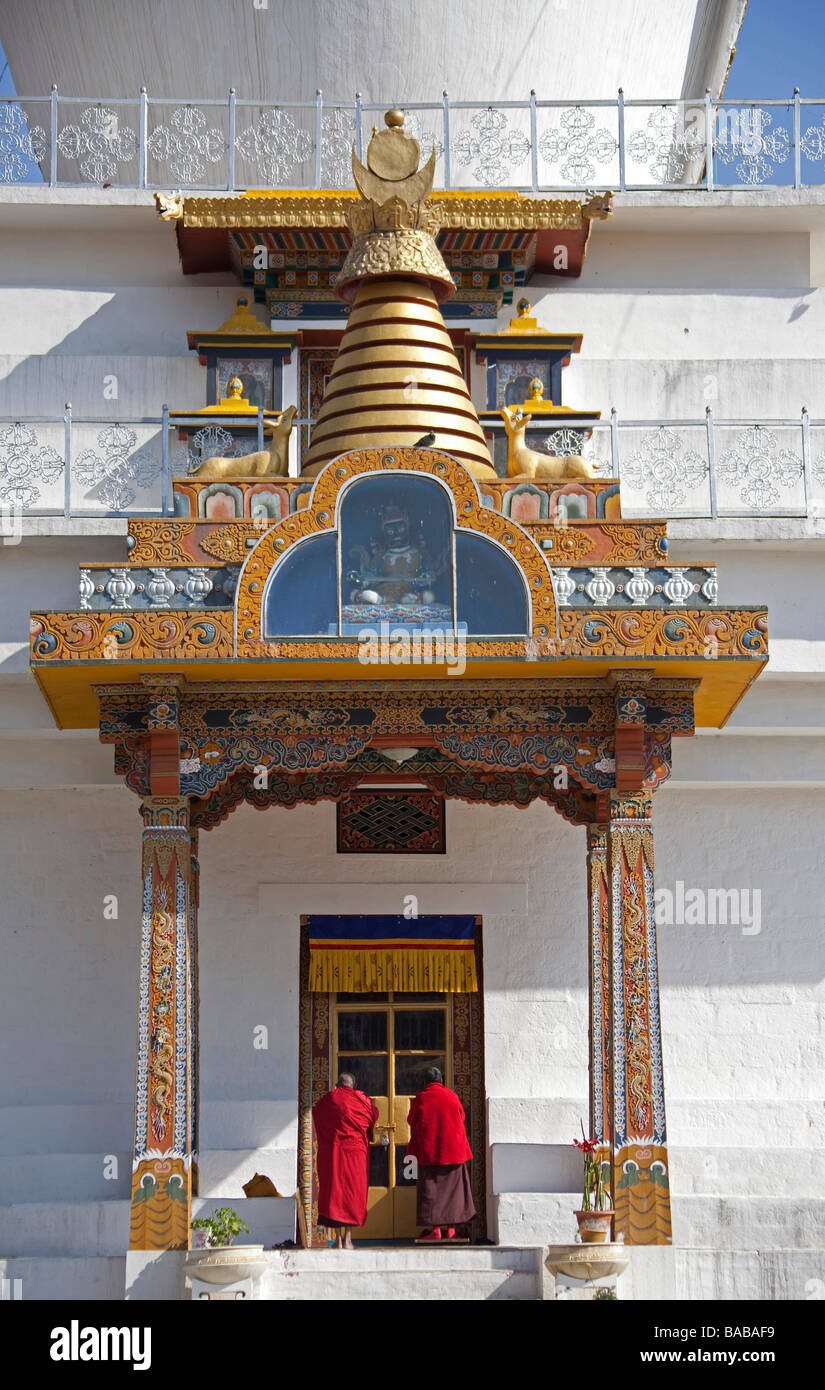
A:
(438, 1141)
(344, 1120)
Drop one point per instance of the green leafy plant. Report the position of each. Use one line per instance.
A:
(221, 1227)
(606, 1295)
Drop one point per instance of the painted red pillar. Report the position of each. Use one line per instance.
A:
(163, 1165)
(627, 1101)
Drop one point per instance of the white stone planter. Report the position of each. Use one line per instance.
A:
(587, 1262)
(225, 1264)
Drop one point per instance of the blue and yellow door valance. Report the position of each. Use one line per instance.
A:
(367, 955)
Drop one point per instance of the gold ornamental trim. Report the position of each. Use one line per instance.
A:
(488, 211)
(403, 251)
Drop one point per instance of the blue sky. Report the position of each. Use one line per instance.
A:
(781, 46)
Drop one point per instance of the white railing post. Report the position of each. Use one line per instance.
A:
(142, 136)
(614, 443)
(319, 126)
(358, 134)
(53, 136)
(622, 167)
(164, 461)
(534, 148)
(230, 173)
(714, 505)
(67, 455)
(446, 111)
(806, 462)
(708, 141)
(797, 138)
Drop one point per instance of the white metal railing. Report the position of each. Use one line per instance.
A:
(84, 467)
(533, 145)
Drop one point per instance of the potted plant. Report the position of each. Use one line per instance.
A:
(596, 1215)
(217, 1260)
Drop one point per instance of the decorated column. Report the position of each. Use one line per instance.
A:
(163, 1161)
(640, 1178)
(194, 1042)
(626, 1084)
(163, 1153)
(598, 896)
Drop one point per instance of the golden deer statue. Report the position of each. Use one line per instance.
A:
(527, 463)
(264, 463)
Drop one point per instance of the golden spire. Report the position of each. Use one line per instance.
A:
(396, 377)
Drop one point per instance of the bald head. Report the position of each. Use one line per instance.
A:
(346, 1079)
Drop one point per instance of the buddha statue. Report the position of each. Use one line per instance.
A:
(398, 570)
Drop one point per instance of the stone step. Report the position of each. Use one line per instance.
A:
(102, 1228)
(401, 1273)
(698, 1124)
(749, 1223)
(535, 1218)
(720, 1172)
(107, 1127)
(43, 1129)
(733, 1172)
(64, 1228)
(716, 1223)
(248, 1124)
(223, 1172)
(67, 1177)
(657, 1273)
(86, 1279)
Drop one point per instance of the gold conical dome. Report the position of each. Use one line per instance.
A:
(396, 377)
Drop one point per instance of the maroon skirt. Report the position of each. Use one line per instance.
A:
(444, 1196)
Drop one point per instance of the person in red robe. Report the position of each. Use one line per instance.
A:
(438, 1142)
(344, 1120)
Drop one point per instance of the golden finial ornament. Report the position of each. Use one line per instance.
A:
(391, 170)
(396, 379)
(393, 227)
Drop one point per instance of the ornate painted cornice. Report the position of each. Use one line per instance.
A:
(327, 208)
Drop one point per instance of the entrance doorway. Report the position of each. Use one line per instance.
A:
(386, 1041)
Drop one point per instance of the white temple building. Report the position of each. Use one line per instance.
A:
(671, 247)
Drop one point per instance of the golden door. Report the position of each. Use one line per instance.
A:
(386, 1041)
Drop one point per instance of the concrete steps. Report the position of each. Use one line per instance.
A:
(64, 1229)
(70, 1177)
(87, 1278)
(80, 1129)
(393, 1274)
(78, 1229)
(749, 1173)
(700, 1222)
(223, 1172)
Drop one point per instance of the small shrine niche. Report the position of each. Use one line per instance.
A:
(245, 348)
(524, 368)
(402, 566)
(244, 362)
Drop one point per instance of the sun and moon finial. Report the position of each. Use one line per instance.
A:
(393, 225)
(391, 170)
